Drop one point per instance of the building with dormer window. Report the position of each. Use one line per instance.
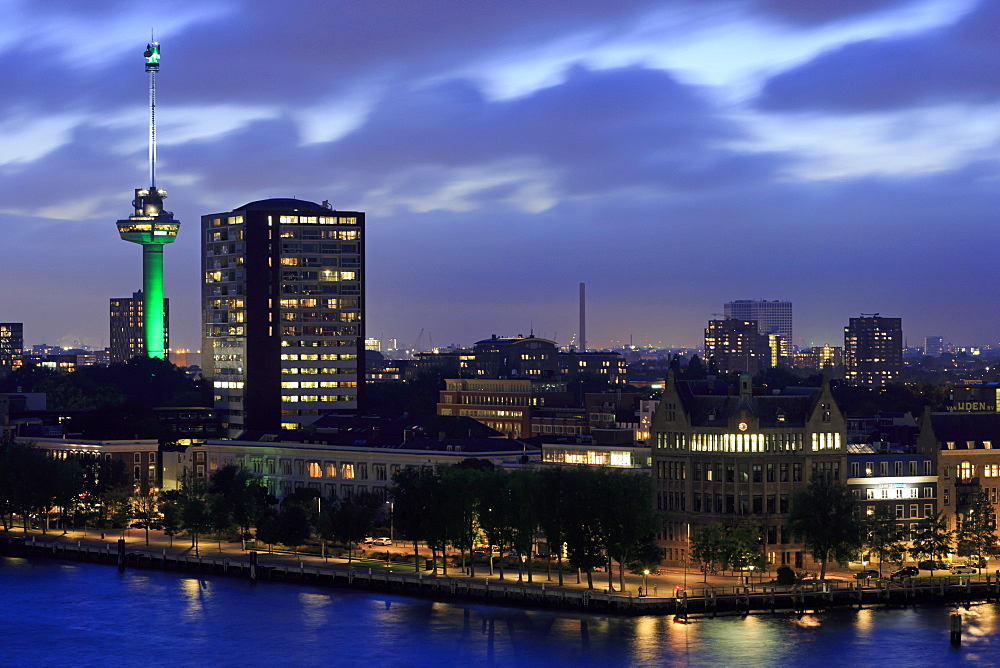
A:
(737, 457)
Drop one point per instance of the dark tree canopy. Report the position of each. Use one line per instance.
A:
(824, 516)
(142, 382)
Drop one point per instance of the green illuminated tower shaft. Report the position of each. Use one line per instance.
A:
(153, 327)
(152, 227)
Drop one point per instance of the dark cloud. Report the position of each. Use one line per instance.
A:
(300, 50)
(599, 130)
(81, 170)
(595, 132)
(954, 64)
(813, 12)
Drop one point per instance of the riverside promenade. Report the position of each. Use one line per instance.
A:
(720, 595)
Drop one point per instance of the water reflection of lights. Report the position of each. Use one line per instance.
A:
(807, 621)
(978, 622)
(195, 592)
(315, 609)
(648, 632)
(979, 627)
(864, 620)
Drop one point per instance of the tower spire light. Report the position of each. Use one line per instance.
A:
(152, 227)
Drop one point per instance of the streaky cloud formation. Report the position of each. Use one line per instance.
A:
(672, 154)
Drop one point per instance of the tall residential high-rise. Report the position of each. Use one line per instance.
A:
(152, 228)
(773, 317)
(283, 305)
(11, 346)
(127, 330)
(736, 345)
(873, 350)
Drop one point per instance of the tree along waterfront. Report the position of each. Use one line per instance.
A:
(592, 517)
(588, 517)
(829, 520)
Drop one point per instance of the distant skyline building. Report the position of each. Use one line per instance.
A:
(873, 350)
(517, 357)
(283, 304)
(151, 227)
(824, 358)
(736, 345)
(933, 346)
(773, 317)
(127, 327)
(11, 346)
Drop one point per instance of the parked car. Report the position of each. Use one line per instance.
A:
(933, 565)
(905, 572)
(959, 569)
(383, 541)
(369, 541)
(868, 574)
(485, 549)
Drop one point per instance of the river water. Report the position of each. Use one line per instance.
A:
(54, 613)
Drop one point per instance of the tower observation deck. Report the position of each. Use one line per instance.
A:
(152, 227)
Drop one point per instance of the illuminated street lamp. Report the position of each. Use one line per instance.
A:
(645, 588)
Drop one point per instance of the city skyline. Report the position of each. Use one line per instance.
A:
(671, 155)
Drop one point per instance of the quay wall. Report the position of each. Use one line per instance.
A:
(706, 602)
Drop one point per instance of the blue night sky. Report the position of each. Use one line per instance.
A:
(672, 155)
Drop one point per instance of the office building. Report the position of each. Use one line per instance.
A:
(873, 350)
(894, 476)
(965, 447)
(128, 327)
(11, 346)
(518, 357)
(738, 459)
(610, 366)
(511, 406)
(283, 313)
(824, 358)
(972, 397)
(933, 346)
(736, 345)
(772, 317)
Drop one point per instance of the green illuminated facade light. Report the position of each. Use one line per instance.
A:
(152, 228)
(152, 55)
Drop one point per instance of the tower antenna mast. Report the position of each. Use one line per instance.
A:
(152, 55)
